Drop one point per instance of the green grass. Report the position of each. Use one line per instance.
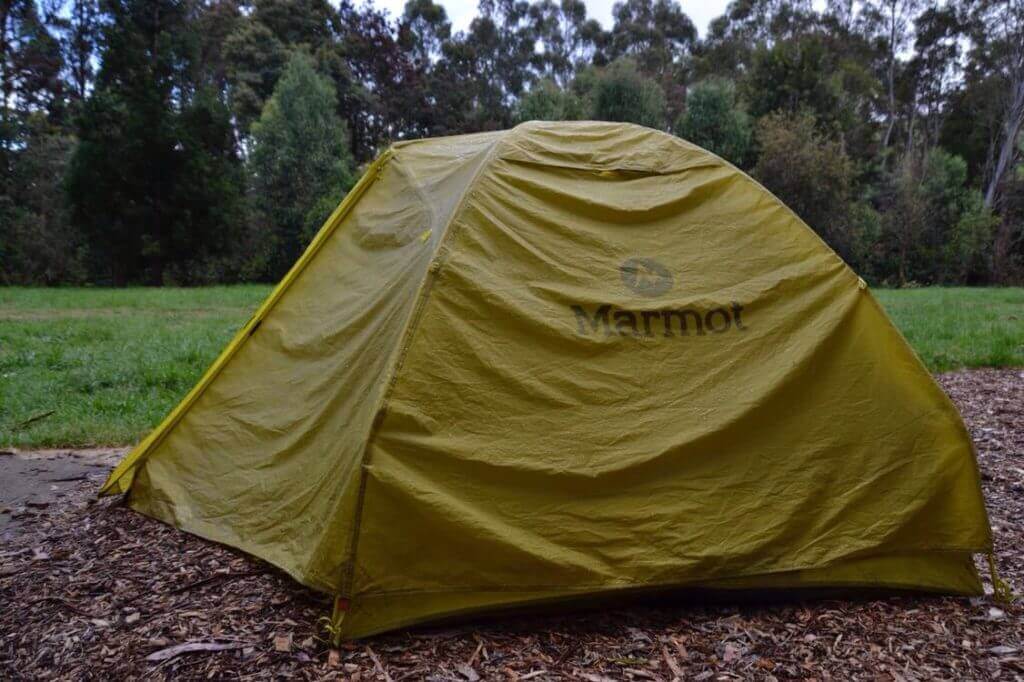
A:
(960, 327)
(110, 363)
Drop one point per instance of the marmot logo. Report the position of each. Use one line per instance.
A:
(651, 323)
(650, 278)
(646, 277)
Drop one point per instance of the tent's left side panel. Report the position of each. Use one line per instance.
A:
(266, 459)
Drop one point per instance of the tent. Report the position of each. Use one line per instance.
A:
(565, 362)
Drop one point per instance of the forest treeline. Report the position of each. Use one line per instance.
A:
(196, 141)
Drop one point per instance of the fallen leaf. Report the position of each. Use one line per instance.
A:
(190, 647)
(283, 643)
(671, 662)
(469, 673)
(378, 665)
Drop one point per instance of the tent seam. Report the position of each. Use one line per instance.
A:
(408, 334)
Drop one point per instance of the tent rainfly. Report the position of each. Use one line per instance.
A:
(563, 363)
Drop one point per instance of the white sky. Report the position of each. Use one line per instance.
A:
(461, 12)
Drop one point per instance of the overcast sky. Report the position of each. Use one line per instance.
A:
(461, 12)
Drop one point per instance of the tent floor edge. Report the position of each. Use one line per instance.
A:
(919, 573)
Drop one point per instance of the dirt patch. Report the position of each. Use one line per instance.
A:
(96, 591)
(31, 481)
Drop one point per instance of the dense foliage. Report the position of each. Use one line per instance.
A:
(194, 141)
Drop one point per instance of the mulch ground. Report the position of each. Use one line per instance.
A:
(92, 590)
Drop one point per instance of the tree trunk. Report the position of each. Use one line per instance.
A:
(891, 76)
(5, 77)
(1008, 146)
(6, 87)
(1011, 129)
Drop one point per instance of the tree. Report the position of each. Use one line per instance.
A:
(482, 72)
(80, 36)
(300, 22)
(657, 36)
(802, 75)
(423, 30)
(785, 56)
(383, 95)
(749, 25)
(30, 66)
(300, 164)
(889, 23)
(148, 108)
(936, 69)
(1012, 219)
(998, 52)
(255, 58)
(215, 22)
(938, 229)
(33, 148)
(37, 243)
(547, 102)
(622, 93)
(504, 40)
(258, 45)
(155, 182)
(811, 174)
(568, 38)
(30, 59)
(715, 120)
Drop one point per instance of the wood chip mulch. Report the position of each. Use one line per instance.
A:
(92, 590)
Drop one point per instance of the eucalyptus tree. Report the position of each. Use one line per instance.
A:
(658, 37)
(889, 23)
(569, 40)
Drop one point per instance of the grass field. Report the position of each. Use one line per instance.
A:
(960, 327)
(101, 367)
(108, 363)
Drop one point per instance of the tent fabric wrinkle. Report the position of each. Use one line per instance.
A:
(567, 363)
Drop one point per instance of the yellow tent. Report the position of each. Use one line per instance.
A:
(560, 362)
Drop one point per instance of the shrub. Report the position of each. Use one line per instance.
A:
(715, 121)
